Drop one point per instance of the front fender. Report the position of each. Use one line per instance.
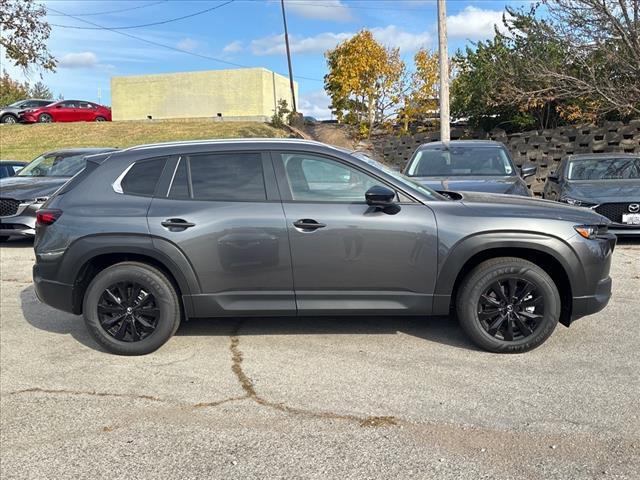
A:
(453, 262)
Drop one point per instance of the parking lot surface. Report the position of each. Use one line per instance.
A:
(317, 398)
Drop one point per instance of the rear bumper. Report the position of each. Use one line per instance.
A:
(56, 294)
(590, 304)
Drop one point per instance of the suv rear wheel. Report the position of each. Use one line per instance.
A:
(131, 308)
(508, 305)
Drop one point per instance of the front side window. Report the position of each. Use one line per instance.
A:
(54, 165)
(604, 169)
(142, 177)
(228, 176)
(314, 178)
(460, 161)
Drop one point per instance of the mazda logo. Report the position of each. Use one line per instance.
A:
(634, 208)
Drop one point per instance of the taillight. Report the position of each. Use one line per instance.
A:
(47, 216)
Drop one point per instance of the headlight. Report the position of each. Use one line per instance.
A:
(30, 201)
(591, 231)
(577, 203)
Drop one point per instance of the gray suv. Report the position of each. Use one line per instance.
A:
(146, 237)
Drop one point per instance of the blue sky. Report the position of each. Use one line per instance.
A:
(244, 32)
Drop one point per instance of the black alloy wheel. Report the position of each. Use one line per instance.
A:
(131, 308)
(128, 311)
(511, 309)
(508, 305)
(45, 118)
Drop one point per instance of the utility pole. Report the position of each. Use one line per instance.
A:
(286, 41)
(445, 134)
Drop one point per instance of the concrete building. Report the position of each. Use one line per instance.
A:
(239, 94)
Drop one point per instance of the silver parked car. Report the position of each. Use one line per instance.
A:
(11, 113)
(23, 194)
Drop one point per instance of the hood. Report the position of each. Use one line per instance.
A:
(29, 188)
(603, 191)
(509, 184)
(517, 206)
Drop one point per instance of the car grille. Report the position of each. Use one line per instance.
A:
(613, 211)
(8, 207)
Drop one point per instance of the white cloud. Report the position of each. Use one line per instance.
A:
(474, 23)
(188, 44)
(389, 36)
(233, 47)
(79, 60)
(393, 36)
(315, 104)
(325, 10)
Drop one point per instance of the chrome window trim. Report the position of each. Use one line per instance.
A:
(117, 184)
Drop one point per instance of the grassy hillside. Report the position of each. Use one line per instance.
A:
(25, 142)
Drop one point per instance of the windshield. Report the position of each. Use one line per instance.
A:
(426, 191)
(16, 104)
(604, 169)
(460, 161)
(54, 165)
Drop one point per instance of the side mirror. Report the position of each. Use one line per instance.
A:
(58, 106)
(528, 169)
(379, 196)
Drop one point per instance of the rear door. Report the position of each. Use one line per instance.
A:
(222, 209)
(86, 112)
(64, 112)
(349, 257)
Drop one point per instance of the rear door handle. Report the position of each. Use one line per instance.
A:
(177, 223)
(308, 224)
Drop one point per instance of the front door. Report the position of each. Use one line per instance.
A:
(222, 210)
(349, 257)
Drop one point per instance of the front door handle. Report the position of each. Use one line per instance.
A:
(176, 224)
(308, 224)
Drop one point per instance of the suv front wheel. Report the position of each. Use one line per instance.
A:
(131, 308)
(508, 305)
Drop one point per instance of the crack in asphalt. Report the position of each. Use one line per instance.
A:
(87, 392)
(250, 393)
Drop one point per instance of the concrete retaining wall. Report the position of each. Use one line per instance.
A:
(543, 147)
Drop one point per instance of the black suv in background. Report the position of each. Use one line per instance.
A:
(469, 166)
(145, 237)
(608, 183)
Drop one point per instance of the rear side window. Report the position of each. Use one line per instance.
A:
(222, 177)
(142, 177)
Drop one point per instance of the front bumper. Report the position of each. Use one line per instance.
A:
(22, 224)
(27, 118)
(590, 304)
(621, 229)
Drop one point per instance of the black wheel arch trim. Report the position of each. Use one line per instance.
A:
(463, 251)
(84, 249)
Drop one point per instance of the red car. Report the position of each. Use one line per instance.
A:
(67, 111)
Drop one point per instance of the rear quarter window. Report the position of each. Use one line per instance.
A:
(142, 178)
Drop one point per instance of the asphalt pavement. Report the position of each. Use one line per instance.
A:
(347, 398)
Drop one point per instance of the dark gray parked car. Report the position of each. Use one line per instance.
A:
(11, 113)
(149, 236)
(608, 183)
(23, 194)
(9, 168)
(469, 166)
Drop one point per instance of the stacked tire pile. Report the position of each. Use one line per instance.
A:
(543, 147)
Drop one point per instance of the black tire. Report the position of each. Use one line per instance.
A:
(518, 328)
(8, 118)
(155, 285)
(45, 118)
(100, 119)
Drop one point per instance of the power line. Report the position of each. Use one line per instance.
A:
(128, 27)
(112, 11)
(163, 45)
